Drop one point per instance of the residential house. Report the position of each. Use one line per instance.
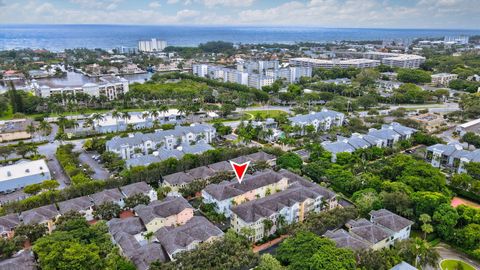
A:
(82, 205)
(187, 236)
(202, 172)
(451, 156)
(139, 188)
(108, 195)
(41, 215)
(228, 193)
(343, 239)
(221, 166)
(398, 225)
(403, 266)
(143, 256)
(8, 224)
(120, 228)
(375, 235)
(172, 211)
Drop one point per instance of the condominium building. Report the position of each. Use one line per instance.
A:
(443, 79)
(339, 63)
(110, 86)
(144, 144)
(17, 176)
(258, 81)
(153, 45)
(293, 74)
(451, 156)
(323, 120)
(258, 185)
(396, 59)
(282, 208)
(387, 136)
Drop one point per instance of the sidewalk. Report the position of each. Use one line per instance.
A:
(268, 244)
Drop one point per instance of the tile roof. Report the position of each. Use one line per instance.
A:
(389, 220)
(197, 229)
(230, 189)
(131, 225)
(343, 239)
(40, 214)
(178, 178)
(8, 222)
(367, 230)
(169, 206)
(77, 204)
(136, 188)
(109, 195)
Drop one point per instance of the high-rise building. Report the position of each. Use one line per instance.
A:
(153, 45)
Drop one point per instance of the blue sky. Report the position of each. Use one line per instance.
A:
(321, 13)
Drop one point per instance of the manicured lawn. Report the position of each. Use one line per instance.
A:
(455, 264)
(266, 114)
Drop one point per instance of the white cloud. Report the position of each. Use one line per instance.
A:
(155, 4)
(227, 3)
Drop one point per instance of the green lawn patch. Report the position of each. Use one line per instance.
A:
(266, 114)
(455, 265)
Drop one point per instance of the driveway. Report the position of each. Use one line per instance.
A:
(98, 171)
(446, 252)
(48, 150)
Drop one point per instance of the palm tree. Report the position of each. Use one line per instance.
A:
(267, 226)
(126, 116)
(148, 235)
(62, 120)
(90, 123)
(420, 252)
(116, 115)
(45, 127)
(97, 117)
(31, 130)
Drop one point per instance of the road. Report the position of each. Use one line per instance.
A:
(433, 108)
(448, 253)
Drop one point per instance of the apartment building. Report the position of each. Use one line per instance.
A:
(110, 86)
(258, 185)
(329, 64)
(396, 59)
(387, 136)
(443, 79)
(153, 45)
(258, 80)
(280, 209)
(323, 120)
(451, 156)
(293, 74)
(143, 144)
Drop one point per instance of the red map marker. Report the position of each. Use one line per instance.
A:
(240, 169)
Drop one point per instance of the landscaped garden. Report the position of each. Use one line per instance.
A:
(455, 265)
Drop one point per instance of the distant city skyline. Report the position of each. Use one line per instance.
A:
(441, 14)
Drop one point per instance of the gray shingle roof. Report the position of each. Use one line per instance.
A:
(343, 239)
(312, 116)
(295, 178)
(77, 204)
(178, 178)
(338, 147)
(136, 188)
(38, 215)
(220, 166)
(230, 189)
(147, 254)
(197, 229)
(165, 208)
(403, 266)
(21, 261)
(389, 220)
(131, 225)
(109, 195)
(9, 222)
(367, 230)
(197, 148)
(261, 156)
(203, 172)
(254, 210)
(127, 243)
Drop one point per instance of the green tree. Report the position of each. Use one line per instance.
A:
(471, 139)
(367, 200)
(135, 200)
(426, 226)
(107, 211)
(445, 218)
(290, 160)
(31, 232)
(268, 262)
(419, 253)
(413, 76)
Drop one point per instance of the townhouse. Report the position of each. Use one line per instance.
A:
(187, 236)
(143, 144)
(387, 136)
(230, 193)
(8, 224)
(23, 260)
(333, 63)
(321, 121)
(109, 195)
(382, 231)
(82, 205)
(172, 211)
(139, 188)
(42, 215)
(451, 156)
(269, 127)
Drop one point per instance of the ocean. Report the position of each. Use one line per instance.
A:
(60, 37)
